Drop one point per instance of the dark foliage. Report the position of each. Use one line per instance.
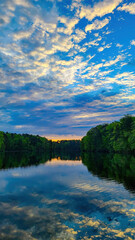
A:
(118, 167)
(22, 159)
(114, 137)
(66, 147)
(25, 142)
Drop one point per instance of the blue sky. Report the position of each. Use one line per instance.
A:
(65, 66)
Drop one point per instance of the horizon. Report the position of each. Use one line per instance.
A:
(54, 138)
(65, 67)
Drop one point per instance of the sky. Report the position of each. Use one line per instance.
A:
(65, 65)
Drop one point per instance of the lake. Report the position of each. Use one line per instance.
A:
(92, 198)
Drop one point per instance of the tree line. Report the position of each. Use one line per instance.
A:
(23, 142)
(26, 142)
(67, 147)
(118, 136)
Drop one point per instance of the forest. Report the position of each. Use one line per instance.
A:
(67, 148)
(118, 136)
(24, 142)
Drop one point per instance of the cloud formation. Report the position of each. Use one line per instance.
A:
(59, 60)
(99, 9)
(97, 24)
(133, 42)
(130, 8)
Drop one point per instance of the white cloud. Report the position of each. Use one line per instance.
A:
(64, 44)
(91, 115)
(97, 24)
(64, 63)
(4, 116)
(79, 35)
(23, 20)
(50, 72)
(133, 42)
(92, 71)
(22, 34)
(93, 42)
(69, 25)
(125, 78)
(96, 34)
(129, 97)
(75, 6)
(130, 8)
(112, 62)
(100, 9)
(23, 3)
(119, 45)
(6, 18)
(68, 70)
(100, 49)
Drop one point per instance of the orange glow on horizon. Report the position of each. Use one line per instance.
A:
(57, 138)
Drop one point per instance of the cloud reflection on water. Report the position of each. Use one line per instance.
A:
(62, 200)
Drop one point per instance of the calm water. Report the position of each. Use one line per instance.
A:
(61, 199)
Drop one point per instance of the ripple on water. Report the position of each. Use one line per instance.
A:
(64, 201)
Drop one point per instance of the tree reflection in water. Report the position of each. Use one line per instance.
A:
(118, 167)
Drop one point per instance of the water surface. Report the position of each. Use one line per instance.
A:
(61, 199)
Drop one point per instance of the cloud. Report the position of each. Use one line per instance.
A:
(8, 9)
(129, 97)
(91, 115)
(130, 8)
(127, 79)
(6, 18)
(64, 44)
(112, 62)
(94, 42)
(23, 3)
(119, 45)
(99, 9)
(39, 28)
(79, 35)
(97, 24)
(69, 25)
(104, 47)
(133, 42)
(22, 34)
(53, 65)
(4, 116)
